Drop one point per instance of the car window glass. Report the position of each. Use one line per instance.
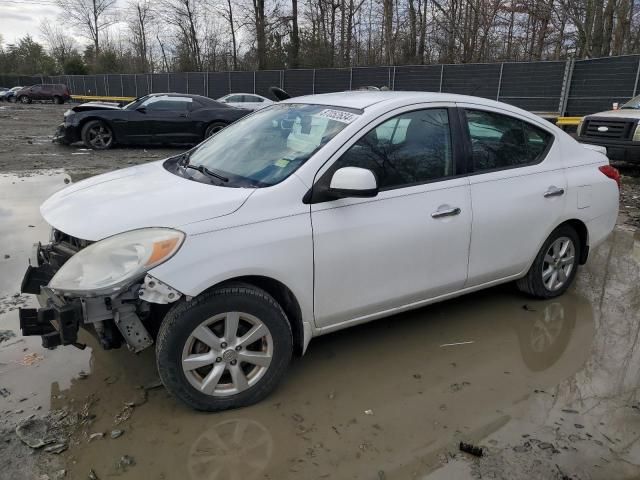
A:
(411, 148)
(234, 98)
(499, 141)
(180, 104)
(268, 146)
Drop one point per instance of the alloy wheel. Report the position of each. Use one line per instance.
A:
(227, 354)
(558, 263)
(99, 136)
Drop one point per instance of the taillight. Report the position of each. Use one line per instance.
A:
(611, 172)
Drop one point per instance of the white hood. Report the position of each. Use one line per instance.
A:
(137, 197)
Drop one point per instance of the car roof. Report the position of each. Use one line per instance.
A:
(244, 93)
(362, 99)
(185, 95)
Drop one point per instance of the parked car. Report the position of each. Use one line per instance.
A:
(617, 130)
(157, 118)
(56, 92)
(249, 101)
(9, 95)
(310, 216)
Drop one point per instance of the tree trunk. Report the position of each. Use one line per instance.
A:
(388, 31)
(295, 38)
(234, 53)
(261, 41)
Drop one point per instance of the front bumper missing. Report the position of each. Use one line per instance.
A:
(111, 318)
(56, 324)
(66, 134)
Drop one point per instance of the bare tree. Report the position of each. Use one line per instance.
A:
(61, 46)
(90, 17)
(140, 16)
(186, 16)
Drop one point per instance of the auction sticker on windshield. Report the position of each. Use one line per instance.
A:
(337, 115)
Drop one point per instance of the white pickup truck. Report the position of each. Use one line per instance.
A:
(617, 130)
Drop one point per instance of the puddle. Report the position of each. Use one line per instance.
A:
(29, 374)
(547, 388)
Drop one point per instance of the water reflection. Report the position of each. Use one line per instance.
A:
(238, 448)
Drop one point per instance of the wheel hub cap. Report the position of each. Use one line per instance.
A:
(558, 264)
(227, 354)
(230, 356)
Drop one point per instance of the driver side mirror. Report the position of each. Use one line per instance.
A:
(141, 109)
(353, 182)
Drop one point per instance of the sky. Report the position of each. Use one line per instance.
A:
(21, 17)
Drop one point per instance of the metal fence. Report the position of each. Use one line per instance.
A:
(572, 87)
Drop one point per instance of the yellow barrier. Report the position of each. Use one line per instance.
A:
(568, 121)
(104, 99)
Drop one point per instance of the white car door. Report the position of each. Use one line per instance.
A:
(518, 191)
(411, 241)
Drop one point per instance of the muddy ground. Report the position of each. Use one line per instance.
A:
(549, 390)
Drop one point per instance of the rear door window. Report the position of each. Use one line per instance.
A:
(500, 141)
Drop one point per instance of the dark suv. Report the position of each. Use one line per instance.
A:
(57, 92)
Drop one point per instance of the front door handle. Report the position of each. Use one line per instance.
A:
(554, 192)
(446, 212)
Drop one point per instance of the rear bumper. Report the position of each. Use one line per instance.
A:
(617, 150)
(66, 134)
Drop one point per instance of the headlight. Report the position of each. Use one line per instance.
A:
(106, 266)
(636, 134)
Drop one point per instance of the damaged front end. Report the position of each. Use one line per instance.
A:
(115, 313)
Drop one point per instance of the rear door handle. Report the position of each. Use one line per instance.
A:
(446, 212)
(554, 192)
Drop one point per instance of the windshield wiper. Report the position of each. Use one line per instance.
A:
(204, 170)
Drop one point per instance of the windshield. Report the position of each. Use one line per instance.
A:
(633, 103)
(268, 146)
(135, 102)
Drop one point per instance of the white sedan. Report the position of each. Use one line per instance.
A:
(313, 215)
(248, 101)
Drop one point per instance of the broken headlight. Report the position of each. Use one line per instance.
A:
(106, 266)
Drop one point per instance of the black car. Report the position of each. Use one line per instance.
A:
(159, 118)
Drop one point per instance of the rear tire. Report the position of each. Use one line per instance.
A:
(12, 99)
(213, 128)
(97, 135)
(58, 100)
(555, 266)
(240, 340)
(24, 99)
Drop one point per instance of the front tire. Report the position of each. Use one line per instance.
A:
(24, 99)
(214, 128)
(226, 348)
(58, 100)
(555, 266)
(97, 135)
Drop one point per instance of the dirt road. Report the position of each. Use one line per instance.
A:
(548, 389)
(26, 132)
